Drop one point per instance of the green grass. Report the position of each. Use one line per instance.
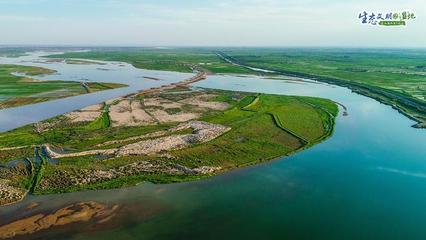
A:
(396, 77)
(102, 122)
(124, 182)
(173, 110)
(74, 136)
(255, 136)
(39, 171)
(402, 71)
(178, 59)
(17, 91)
(8, 155)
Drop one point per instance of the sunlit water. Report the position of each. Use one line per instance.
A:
(113, 72)
(368, 181)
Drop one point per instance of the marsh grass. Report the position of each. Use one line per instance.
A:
(255, 136)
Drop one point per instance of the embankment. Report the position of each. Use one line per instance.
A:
(412, 108)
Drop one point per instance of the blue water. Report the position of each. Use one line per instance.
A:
(114, 72)
(368, 181)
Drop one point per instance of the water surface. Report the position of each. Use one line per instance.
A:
(112, 72)
(368, 181)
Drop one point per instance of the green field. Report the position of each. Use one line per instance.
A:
(402, 71)
(263, 127)
(17, 91)
(179, 59)
(394, 77)
(256, 136)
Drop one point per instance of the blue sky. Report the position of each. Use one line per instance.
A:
(207, 23)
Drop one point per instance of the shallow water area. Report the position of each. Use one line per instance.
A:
(96, 71)
(365, 182)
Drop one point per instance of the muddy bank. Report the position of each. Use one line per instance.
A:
(74, 213)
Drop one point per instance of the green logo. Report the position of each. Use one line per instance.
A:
(386, 19)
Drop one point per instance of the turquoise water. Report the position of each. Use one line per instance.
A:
(368, 181)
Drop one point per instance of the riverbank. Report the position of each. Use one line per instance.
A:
(406, 105)
(372, 155)
(20, 88)
(73, 214)
(167, 134)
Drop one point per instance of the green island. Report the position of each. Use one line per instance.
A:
(183, 134)
(175, 135)
(17, 90)
(391, 76)
(179, 59)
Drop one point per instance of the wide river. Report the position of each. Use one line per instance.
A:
(115, 72)
(368, 181)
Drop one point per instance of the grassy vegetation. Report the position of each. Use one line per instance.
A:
(255, 136)
(39, 170)
(403, 71)
(8, 155)
(394, 77)
(18, 91)
(102, 122)
(178, 59)
(74, 136)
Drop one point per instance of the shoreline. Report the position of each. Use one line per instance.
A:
(198, 77)
(407, 106)
(329, 126)
(305, 145)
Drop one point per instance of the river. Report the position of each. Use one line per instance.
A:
(368, 181)
(115, 72)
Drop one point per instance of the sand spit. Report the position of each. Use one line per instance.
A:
(78, 212)
(83, 116)
(164, 103)
(204, 102)
(164, 117)
(92, 108)
(200, 76)
(129, 113)
(86, 114)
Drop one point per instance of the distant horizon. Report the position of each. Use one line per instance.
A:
(210, 23)
(165, 47)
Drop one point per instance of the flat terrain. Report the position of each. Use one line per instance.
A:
(402, 71)
(17, 91)
(171, 136)
(392, 76)
(179, 59)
